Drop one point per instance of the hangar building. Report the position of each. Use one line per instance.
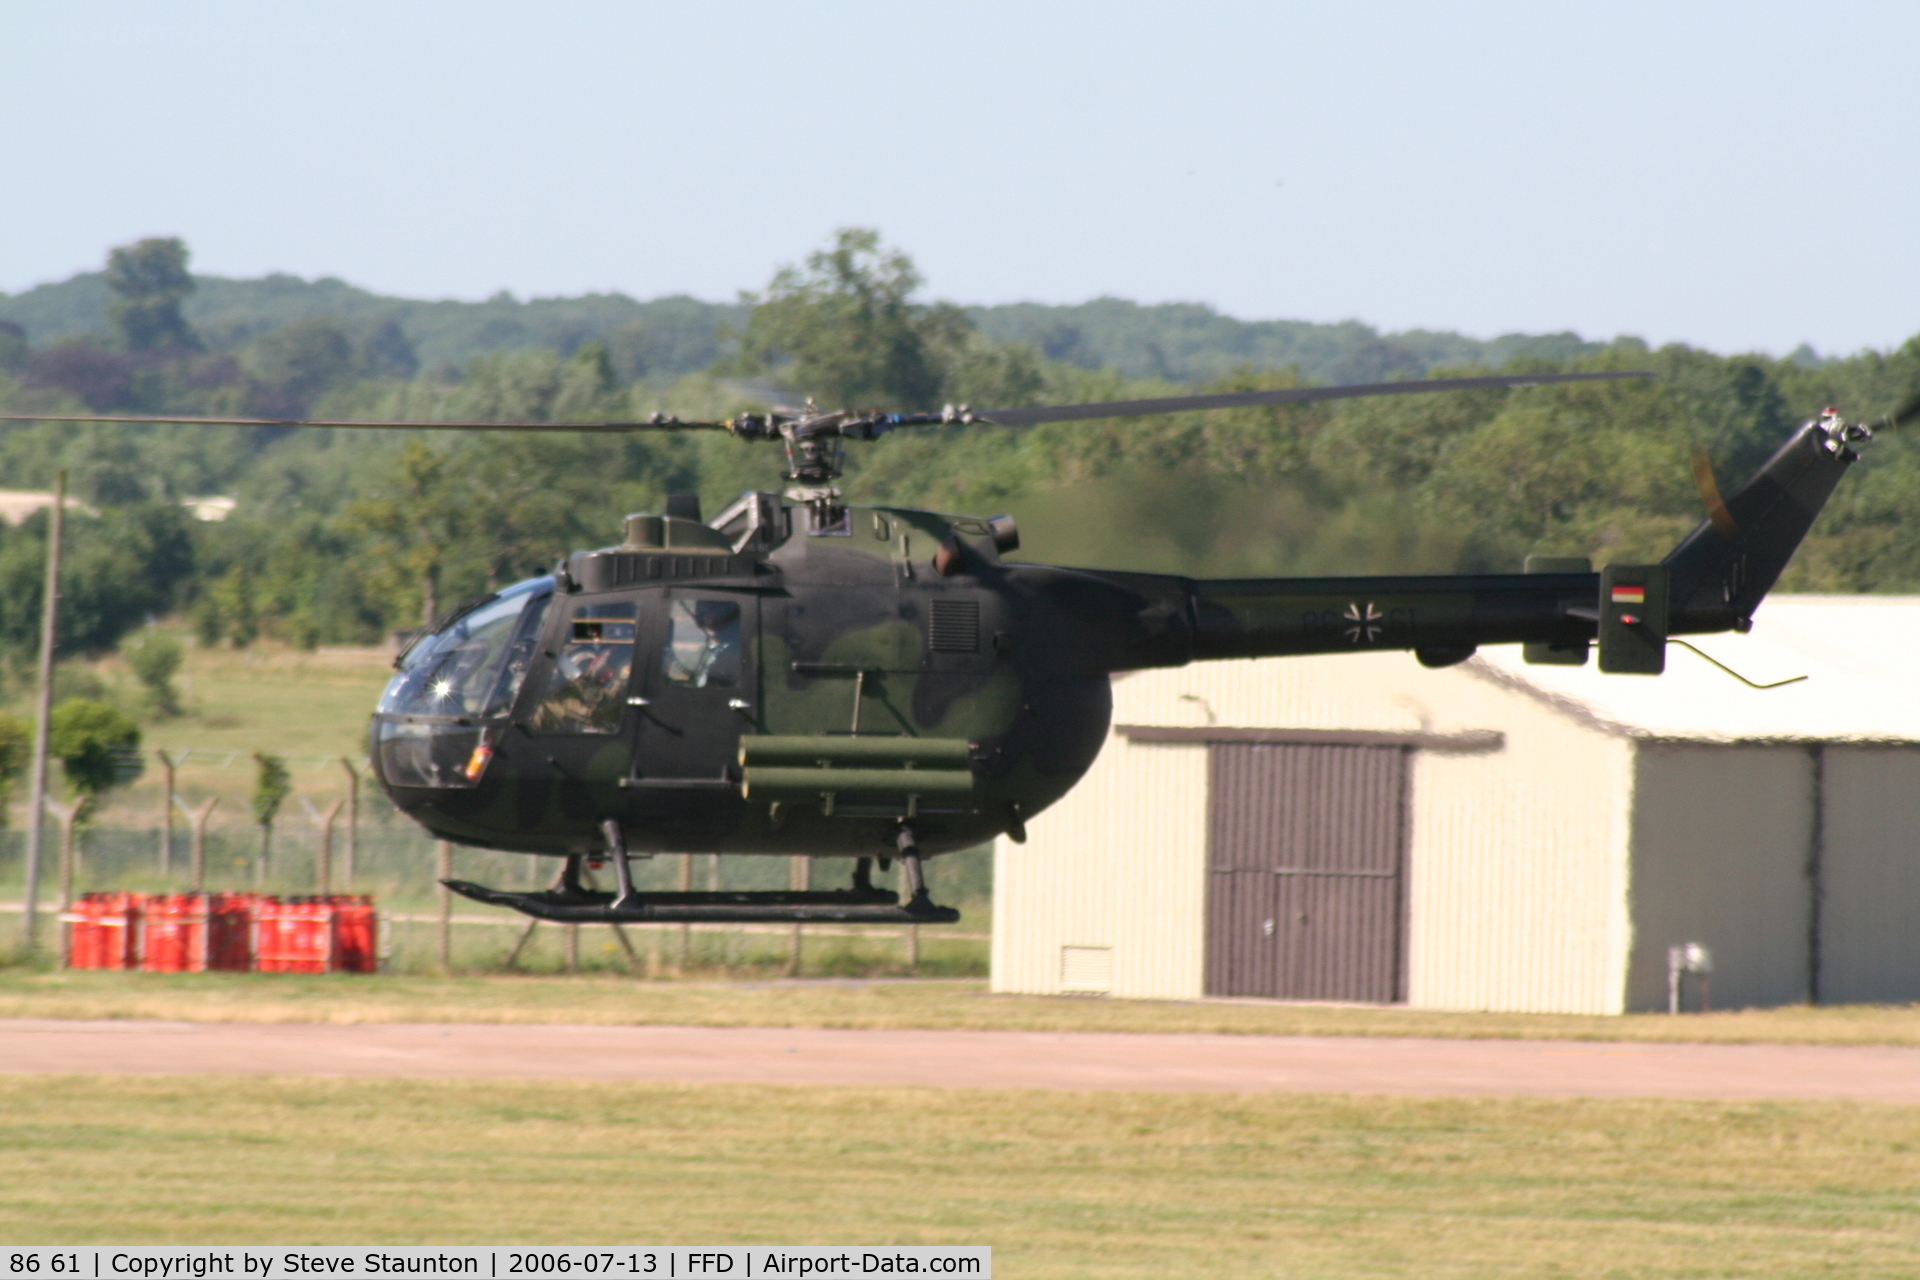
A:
(1494, 835)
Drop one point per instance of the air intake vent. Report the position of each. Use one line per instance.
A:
(953, 626)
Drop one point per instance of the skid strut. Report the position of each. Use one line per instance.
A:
(623, 897)
(913, 880)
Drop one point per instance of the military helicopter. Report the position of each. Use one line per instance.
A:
(802, 675)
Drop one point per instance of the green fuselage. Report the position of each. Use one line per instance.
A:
(858, 634)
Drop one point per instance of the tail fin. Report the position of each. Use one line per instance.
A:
(1722, 570)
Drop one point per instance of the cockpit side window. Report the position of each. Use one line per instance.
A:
(703, 644)
(586, 689)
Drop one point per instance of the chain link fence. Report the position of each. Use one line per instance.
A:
(395, 862)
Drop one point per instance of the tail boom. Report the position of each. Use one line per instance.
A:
(1718, 574)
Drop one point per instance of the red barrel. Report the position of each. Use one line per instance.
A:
(194, 932)
(355, 934)
(229, 943)
(293, 935)
(122, 924)
(272, 936)
(174, 935)
(104, 931)
(83, 934)
(161, 948)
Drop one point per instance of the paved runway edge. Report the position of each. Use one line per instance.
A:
(969, 1059)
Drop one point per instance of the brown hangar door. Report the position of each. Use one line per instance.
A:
(1306, 855)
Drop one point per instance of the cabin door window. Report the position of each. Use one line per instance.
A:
(586, 687)
(703, 644)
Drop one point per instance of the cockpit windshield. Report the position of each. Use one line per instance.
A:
(474, 665)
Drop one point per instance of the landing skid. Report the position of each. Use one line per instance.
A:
(570, 901)
(835, 906)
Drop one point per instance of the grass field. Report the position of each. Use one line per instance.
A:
(1058, 1184)
(338, 998)
(310, 706)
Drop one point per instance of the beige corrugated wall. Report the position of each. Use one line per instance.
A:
(1514, 905)
(1518, 858)
(1870, 876)
(1119, 863)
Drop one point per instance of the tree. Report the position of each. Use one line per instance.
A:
(412, 523)
(472, 515)
(387, 352)
(298, 363)
(155, 658)
(845, 330)
(271, 787)
(121, 566)
(101, 378)
(149, 280)
(98, 747)
(13, 347)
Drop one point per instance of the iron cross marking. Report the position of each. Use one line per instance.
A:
(1366, 625)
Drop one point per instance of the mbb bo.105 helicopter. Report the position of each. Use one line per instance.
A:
(804, 676)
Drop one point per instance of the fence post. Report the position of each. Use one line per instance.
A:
(167, 765)
(686, 930)
(197, 818)
(443, 865)
(797, 881)
(323, 868)
(353, 823)
(323, 856)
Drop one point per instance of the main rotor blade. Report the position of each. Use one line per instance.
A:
(1292, 395)
(1001, 417)
(667, 424)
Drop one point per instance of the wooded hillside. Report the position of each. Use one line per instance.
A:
(342, 536)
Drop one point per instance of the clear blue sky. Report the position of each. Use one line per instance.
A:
(1739, 176)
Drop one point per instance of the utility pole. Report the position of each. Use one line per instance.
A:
(69, 818)
(43, 707)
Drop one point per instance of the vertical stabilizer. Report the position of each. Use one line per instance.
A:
(1723, 569)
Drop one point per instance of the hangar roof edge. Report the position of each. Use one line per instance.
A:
(1850, 649)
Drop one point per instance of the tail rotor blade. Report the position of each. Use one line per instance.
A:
(1710, 494)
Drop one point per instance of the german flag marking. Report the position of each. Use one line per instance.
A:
(1629, 595)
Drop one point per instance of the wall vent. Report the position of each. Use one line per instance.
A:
(953, 626)
(1088, 970)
